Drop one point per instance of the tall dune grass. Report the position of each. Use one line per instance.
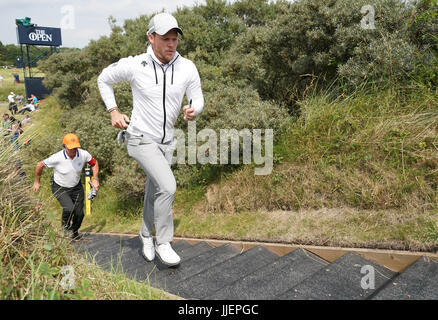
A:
(29, 248)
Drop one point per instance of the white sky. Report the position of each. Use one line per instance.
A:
(79, 20)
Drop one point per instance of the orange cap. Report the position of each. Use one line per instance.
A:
(71, 141)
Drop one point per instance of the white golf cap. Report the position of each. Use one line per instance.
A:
(162, 23)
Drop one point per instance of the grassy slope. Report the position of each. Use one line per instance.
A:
(34, 271)
(357, 170)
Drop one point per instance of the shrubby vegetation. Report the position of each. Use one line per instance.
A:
(258, 60)
(323, 41)
(31, 252)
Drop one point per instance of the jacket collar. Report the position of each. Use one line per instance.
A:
(151, 53)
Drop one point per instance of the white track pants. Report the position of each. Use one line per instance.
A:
(160, 188)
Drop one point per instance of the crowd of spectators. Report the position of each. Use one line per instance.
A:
(31, 105)
(12, 127)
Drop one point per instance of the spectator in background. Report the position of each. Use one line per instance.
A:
(11, 97)
(5, 125)
(33, 99)
(26, 121)
(30, 107)
(20, 99)
(6, 121)
(12, 105)
(16, 131)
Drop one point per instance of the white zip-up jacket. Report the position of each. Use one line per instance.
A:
(157, 90)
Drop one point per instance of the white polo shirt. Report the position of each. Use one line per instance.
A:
(67, 171)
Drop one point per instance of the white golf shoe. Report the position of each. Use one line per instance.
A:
(167, 255)
(148, 250)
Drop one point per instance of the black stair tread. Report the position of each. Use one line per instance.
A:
(92, 241)
(111, 243)
(135, 245)
(194, 250)
(182, 244)
(89, 242)
(273, 279)
(118, 257)
(106, 254)
(419, 281)
(340, 280)
(123, 250)
(127, 245)
(160, 278)
(185, 252)
(133, 265)
(122, 260)
(204, 257)
(105, 249)
(147, 270)
(91, 236)
(103, 253)
(212, 279)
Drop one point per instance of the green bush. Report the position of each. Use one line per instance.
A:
(209, 29)
(326, 40)
(385, 60)
(424, 32)
(70, 73)
(229, 107)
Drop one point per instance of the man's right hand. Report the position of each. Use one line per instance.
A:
(119, 120)
(36, 186)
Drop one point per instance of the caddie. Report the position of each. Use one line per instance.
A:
(66, 181)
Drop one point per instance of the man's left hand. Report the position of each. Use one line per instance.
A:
(189, 113)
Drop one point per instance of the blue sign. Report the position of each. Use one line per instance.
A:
(41, 36)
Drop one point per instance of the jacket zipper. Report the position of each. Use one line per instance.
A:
(164, 92)
(164, 105)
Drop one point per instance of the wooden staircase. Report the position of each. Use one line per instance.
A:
(220, 269)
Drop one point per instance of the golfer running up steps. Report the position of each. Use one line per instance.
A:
(159, 79)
